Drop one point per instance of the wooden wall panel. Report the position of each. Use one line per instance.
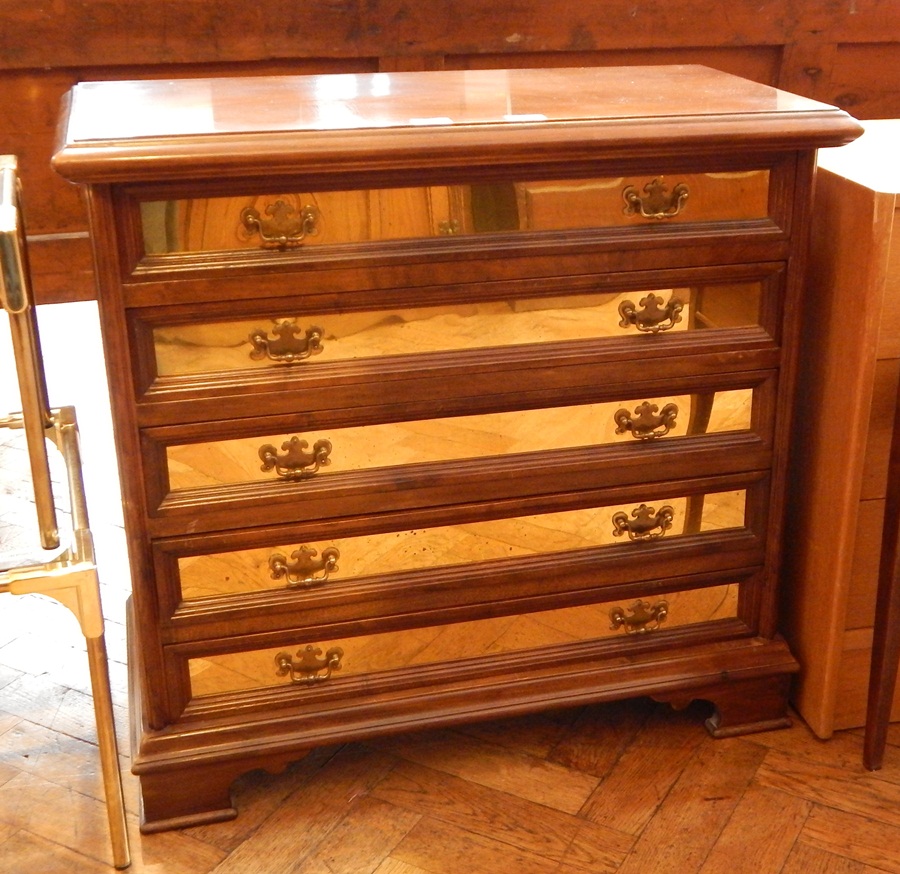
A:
(760, 63)
(67, 33)
(844, 52)
(29, 112)
(865, 79)
(199, 31)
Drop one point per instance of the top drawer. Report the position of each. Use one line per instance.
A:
(292, 220)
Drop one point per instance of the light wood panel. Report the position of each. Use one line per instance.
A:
(845, 421)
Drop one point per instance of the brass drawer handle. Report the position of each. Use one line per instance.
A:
(647, 423)
(298, 461)
(656, 202)
(301, 570)
(652, 317)
(645, 523)
(283, 226)
(643, 617)
(286, 347)
(310, 669)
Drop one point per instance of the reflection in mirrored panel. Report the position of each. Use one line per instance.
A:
(330, 660)
(322, 337)
(320, 564)
(332, 452)
(292, 220)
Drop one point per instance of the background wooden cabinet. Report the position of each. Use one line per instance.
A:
(851, 366)
(845, 54)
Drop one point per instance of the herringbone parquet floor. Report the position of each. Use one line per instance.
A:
(625, 787)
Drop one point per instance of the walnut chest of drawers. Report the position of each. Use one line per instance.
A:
(844, 422)
(443, 396)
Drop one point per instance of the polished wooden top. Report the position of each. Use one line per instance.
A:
(174, 128)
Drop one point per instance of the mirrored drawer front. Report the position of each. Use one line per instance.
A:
(328, 661)
(291, 340)
(292, 220)
(330, 452)
(298, 566)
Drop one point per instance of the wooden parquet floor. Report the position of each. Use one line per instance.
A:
(625, 787)
(632, 787)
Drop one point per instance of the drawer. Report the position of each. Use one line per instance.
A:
(393, 559)
(309, 666)
(332, 452)
(293, 221)
(311, 339)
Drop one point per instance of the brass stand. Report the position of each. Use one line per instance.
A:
(71, 576)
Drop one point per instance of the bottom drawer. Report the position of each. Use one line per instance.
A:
(328, 661)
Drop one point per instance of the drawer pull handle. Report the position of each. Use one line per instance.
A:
(298, 460)
(286, 347)
(305, 563)
(652, 317)
(656, 202)
(645, 523)
(647, 423)
(283, 226)
(310, 668)
(643, 617)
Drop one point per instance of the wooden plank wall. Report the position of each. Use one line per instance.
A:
(844, 52)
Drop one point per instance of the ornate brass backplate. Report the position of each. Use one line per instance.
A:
(640, 617)
(305, 563)
(652, 317)
(656, 202)
(298, 461)
(286, 347)
(648, 421)
(282, 225)
(645, 523)
(310, 668)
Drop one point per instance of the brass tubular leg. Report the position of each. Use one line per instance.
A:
(18, 301)
(78, 589)
(90, 616)
(34, 409)
(72, 580)
(109, 751)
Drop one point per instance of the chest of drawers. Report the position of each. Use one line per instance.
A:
(443, 396)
